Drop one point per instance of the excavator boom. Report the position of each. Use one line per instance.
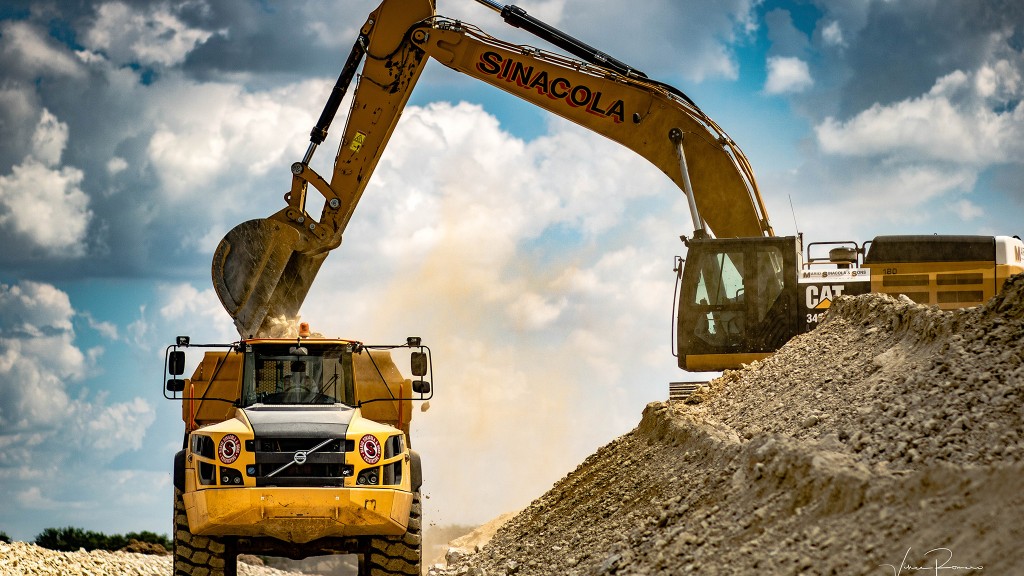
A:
(264, 268)
(643, 115)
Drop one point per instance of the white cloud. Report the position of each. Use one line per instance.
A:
(999, 81)
(832, 34)
(33, 498)
(843, 198)
(227, 138)
(152, 34)
(49, 139)
(194, 312)
(966, 210)
(787, 75)
(39, 363)
(107, 329)
(894, 191)
(33, 308)
(181, 300)
(37, 357)
(116, 165)
(140, 329)
(47, 207)
(111, 429)
(953, 122)
(42, 202)
(28, 48)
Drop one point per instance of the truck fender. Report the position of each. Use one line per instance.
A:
(416, 470)
(179, 470)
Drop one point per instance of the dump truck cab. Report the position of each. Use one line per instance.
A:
(296, 447)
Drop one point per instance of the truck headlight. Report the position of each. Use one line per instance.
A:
(230, 477)
(369, 477)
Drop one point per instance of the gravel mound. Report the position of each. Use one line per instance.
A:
(889, 440)
(20, 558)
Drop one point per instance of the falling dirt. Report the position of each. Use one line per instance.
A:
(888, 441)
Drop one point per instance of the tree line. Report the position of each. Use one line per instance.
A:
(71, 539)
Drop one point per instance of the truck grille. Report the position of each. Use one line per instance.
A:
(323, 467)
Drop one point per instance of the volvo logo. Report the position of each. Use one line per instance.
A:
(300, 457)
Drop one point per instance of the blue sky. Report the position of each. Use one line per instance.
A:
(535, 258)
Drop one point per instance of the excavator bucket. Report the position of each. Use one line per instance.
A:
(260, 272)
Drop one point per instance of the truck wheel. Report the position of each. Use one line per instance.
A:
(199, 555)
(397, 555)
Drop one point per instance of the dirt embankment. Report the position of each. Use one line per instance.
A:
(889, 440)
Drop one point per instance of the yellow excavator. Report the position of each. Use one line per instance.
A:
(743, 291)
(263, 268)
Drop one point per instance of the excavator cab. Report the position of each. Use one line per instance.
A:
(737, 300)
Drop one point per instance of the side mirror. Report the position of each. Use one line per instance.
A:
(421, 386)
(176, 363)
(419, 363)
(175, 385)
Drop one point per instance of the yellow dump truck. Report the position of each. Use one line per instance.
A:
(297, 447)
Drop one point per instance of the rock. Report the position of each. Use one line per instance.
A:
(455, 555)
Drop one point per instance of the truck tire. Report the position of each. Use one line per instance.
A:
(397, 555)
(199, 555)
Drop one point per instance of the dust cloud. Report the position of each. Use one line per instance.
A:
(283, 326)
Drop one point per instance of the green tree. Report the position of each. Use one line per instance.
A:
(70, 539)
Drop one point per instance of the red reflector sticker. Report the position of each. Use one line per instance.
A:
(229, 449)
(369, 449)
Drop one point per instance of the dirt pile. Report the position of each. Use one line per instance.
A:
(138, 547)
(22, 559)
(887, 441)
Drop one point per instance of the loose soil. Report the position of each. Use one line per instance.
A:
(887, 441)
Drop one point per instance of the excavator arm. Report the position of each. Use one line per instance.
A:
(264, 268)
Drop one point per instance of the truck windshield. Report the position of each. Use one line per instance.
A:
(289, 374)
